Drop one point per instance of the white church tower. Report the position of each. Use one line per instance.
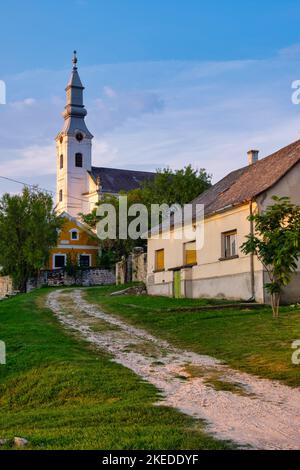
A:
(74, 152)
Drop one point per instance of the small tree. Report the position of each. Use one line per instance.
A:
(276, 243)
(107, 259)
(28, 229)
(72, 266)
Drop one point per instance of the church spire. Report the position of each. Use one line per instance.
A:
(75, 111)
(73, 151)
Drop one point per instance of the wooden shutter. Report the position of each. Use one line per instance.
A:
(190, 253)
(160, 260)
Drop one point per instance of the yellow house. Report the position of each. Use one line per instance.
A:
(77, 240)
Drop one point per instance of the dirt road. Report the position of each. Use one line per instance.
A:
(250, 411)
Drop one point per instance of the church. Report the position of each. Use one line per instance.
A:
(79, 184)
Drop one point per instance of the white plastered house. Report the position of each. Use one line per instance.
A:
(219, 268)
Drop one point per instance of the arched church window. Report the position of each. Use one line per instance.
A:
(78, 160)
(60, 195)
(61, 161)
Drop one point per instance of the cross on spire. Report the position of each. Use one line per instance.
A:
(75, 60)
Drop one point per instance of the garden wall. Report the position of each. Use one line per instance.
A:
(132, 269)
(84, 277)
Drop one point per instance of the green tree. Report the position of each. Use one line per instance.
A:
(174, 187)
(107, 259)
(72, 266)
(28, 229)
(276, 242)
(112, 250)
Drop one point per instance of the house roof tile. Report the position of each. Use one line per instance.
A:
(248, 182)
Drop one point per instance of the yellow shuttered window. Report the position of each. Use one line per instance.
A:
(190, 253)
(160, 260)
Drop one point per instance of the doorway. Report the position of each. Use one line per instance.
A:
(177, 284)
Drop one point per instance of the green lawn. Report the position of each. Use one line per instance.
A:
(60, 394)
(250, 340)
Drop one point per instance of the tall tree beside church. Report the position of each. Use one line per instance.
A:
(168, 187)
(28, 230)
(175, 187)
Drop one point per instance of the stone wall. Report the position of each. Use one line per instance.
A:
(139, 266)
(84, 277)
(121, 271)
(132, 269)
(6, 286)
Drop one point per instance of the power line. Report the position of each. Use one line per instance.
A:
(44, 189)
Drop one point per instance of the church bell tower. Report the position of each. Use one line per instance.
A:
(74, 151)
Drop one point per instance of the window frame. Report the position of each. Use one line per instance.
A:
(225, 237)
(74, 230)
(78, 155)
(63, 255)
(89, 256)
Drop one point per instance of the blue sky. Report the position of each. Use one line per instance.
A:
(168, 82)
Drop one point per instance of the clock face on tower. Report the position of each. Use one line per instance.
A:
(79, 136)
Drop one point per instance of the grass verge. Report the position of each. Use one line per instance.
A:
(59, 393)
(249, 340)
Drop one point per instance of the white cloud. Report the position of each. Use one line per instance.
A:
(104, 153)
(156, 114)
(290, 52)
(20, 105)
(32, 161)
(110, 92)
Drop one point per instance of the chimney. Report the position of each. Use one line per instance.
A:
(253, 156)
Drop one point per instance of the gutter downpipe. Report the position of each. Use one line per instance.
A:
(252, 277)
